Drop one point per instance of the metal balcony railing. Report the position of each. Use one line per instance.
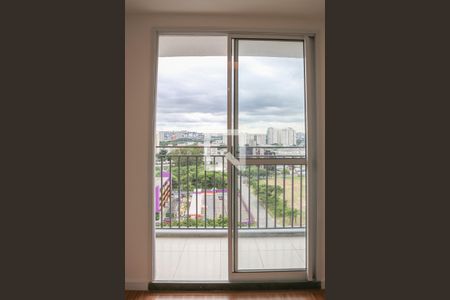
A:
(191, 191)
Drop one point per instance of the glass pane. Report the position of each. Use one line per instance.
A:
(190, 181)
(271, 102)
(271, 199)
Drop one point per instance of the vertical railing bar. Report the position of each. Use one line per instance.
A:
(179, 191)
(204, 186)
(267, 195)
(295, 215)
(188, 203)
(257, 196)
(249, 196)
(275, 203)
(170, 191)
(306, 196)
(292, 197)
(161, 194)
(214, 192)
(223, 192)
(301, 195)
(240, 199)
(196, 192)
(284, 196)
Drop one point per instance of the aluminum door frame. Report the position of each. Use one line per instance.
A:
(310, 161)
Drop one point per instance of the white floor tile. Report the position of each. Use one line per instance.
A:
(202, 244)
(302, 255)
(224, 244)
(224, 265)
(206, 259)
(247, 244)
(199, 265)
(275, 243)
(281, 259)
(166, 264)
(170, 244)
(249, 260)
(299, 242)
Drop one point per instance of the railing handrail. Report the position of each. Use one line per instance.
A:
(242, 146)
(194, 146)
(191, 155)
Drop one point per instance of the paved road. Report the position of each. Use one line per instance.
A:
(253, 207)
(257, 210)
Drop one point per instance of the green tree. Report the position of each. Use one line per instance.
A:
(162, 154)
(200, 222)
(190, 180)
(186, 156)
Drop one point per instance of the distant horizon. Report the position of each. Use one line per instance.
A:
(224, 133)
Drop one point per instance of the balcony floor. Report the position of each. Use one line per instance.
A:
(206, 258)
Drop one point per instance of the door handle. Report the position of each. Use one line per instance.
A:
(234, 161)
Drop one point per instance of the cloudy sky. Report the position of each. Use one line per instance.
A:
(192, 93)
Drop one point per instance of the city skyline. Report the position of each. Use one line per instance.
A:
(280, 136)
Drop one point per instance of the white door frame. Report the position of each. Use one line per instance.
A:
(311, 115)
(232, 115)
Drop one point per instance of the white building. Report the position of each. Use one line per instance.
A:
(261, 139)
(251, 140)
(271, 136)
(285, 136)
(290, 136)
(163, 136)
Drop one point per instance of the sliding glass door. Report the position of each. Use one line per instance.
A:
(234, 175)
(268, 158)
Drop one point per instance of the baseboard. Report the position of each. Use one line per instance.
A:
(233, 286)
(136, 285)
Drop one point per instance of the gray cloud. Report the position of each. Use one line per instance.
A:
(192, 93)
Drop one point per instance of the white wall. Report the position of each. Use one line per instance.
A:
(139, 126)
